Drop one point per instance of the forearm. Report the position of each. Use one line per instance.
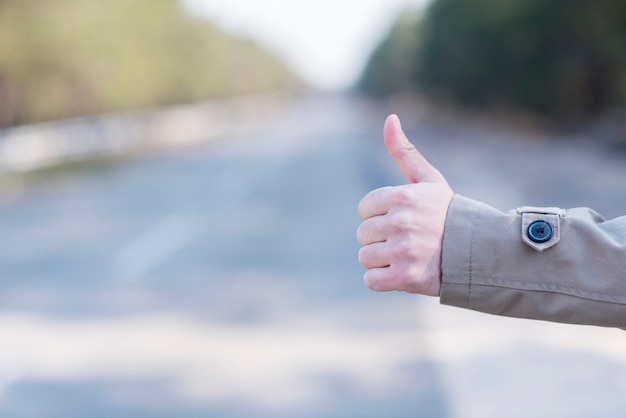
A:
(580, 279)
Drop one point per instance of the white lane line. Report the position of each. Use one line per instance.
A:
(161, 241)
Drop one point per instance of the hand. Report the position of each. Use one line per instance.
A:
(402, 232)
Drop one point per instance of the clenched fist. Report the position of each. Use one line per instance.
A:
(403, 226)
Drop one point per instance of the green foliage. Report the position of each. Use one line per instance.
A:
(61, 58)
(392, 64)
(559, 58)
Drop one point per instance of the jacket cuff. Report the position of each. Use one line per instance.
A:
(479, 242)
(458, 247)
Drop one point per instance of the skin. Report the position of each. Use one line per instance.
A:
(402, 231)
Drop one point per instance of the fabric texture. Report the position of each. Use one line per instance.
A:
(488, 266)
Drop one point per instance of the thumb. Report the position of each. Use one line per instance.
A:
(413, 165)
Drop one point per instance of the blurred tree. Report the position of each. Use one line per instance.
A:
(62, 58)
(559, 58)
(392, 64)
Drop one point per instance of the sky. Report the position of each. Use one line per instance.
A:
(327, 42)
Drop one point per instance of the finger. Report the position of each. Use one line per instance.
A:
(374, 255)
(390, 278)
(372, 230)
(379, 279)
(413, 165)
(375, 203)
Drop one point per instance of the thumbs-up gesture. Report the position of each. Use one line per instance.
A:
(403, 226)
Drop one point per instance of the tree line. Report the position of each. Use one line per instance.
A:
(559, 59)
(65, 58)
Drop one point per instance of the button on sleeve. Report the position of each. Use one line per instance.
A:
(539, 231)
(541, 226)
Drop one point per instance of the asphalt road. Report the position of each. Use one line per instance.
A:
(222, 280)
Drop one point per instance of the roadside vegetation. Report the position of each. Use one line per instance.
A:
(559, 59)
(66, 58)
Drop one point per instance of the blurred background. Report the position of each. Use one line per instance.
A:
(178, 193)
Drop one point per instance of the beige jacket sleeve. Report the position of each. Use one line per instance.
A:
(571, 270)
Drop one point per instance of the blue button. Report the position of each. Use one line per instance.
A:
(540, 231)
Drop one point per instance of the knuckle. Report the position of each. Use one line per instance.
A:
(400, 222)
(405, 249)
(402, 196)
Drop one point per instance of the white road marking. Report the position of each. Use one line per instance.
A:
(168, 236)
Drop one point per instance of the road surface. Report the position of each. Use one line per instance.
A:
(222, 281)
